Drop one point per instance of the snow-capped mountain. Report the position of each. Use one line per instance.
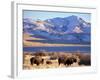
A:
(68, 24)
(68, 28)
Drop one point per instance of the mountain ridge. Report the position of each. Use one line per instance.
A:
(69, 28)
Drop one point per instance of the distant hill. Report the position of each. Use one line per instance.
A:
(67, 28)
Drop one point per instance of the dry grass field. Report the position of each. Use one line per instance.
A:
(51, 60)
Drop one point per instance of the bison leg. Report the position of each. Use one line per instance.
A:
(37, 64)
(59, 63)
(31, 61)
(42, 61)
(65, 63)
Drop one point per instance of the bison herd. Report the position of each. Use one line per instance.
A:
(60, 60)
(54, 60)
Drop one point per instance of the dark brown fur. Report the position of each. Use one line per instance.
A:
(36, 60)
(67, 61)
(48, 62)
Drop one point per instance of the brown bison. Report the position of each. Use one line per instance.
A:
(48, 62)
(36, 60)
(67, 61)
(70, 61)
(85, 60)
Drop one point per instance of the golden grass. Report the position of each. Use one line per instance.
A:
(27, 65)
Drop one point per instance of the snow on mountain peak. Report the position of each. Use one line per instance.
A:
(58, 28)
(77, 30)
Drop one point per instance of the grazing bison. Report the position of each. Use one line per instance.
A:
(85, 60)
(67, 61)
(70, 61)
(61, 60)
(36, 60)
(48, 62)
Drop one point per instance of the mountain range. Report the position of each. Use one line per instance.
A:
(67, 28)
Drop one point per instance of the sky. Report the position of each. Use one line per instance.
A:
(43, 15)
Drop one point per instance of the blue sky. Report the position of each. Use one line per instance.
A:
(43, 15)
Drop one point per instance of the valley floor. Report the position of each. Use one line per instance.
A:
(27, 43)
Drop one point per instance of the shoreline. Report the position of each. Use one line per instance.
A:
(40, 44)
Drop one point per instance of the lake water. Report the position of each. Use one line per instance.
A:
(56, 41)
(59, 49)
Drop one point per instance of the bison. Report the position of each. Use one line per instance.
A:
(85, 60)
(67, 61)
(61, 60)
(48, 62)
(36, 60)
(70, 61)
